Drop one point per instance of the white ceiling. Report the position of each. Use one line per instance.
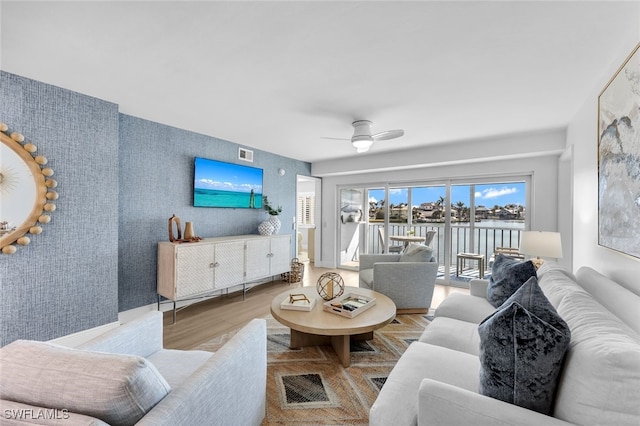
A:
(279, 76)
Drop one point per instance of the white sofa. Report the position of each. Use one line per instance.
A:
(125, 376)
(436, 380)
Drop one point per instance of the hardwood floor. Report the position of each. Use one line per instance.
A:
(201, 322)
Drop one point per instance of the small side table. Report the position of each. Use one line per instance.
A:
(470, 256)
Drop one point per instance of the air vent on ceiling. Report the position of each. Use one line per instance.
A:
(245, 154)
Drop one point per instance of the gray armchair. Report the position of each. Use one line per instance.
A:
(407, 280)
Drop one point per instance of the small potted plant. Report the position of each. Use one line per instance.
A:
(271, 210)
(273, 215)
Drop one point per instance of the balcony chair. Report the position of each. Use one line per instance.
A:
(429, 237)
(391, 248)
(408, 278)
(507, 251)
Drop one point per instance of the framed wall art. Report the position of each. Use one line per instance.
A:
(619, 159)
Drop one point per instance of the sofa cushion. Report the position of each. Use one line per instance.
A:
(465, 307)
(522, 347)
(416, 253)
(453, 334)
(507, 275)
(397, 402)
(118, 389)
(600, 381)
(176, 366)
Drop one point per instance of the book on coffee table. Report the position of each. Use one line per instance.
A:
(298, 302)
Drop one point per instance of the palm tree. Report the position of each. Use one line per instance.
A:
(460, 208)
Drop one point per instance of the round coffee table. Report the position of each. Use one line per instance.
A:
(319, 327)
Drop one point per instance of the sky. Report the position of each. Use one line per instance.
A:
(212, 174)
(487, 195)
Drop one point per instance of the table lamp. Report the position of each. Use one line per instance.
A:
(540, 243)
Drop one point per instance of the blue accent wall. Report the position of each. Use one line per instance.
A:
(65, 280)
(156, 181)
(120, 178)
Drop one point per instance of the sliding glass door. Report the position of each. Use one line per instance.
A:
(351, 226)
(462, 221)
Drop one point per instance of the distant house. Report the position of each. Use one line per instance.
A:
(482, 212)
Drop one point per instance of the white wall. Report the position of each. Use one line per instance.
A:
(582, 134)
(542, 165)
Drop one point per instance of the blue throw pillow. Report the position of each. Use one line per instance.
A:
(522, 348)
(507, 275)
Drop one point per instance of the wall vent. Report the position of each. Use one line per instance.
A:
(245, 154)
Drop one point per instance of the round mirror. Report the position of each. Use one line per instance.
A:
(24, 191)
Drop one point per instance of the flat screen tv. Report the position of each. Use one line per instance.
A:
(220, 184)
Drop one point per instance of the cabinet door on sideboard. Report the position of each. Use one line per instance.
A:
(280, 254)
(195, 266)
(257, 258)
(229, 264)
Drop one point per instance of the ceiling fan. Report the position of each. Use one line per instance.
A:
(362, 138)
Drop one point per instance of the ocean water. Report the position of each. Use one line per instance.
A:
(216, 198)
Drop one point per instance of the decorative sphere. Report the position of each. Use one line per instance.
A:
(23, 241)
(330, 285)
(30, 147)
(35, 230)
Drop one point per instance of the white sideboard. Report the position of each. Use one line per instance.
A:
(193, 269)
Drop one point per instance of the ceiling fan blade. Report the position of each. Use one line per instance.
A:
(389, 134)
(334, 139)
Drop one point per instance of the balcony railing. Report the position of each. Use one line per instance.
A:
(483, 240)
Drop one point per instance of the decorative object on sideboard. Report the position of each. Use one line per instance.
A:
(276, 224)
(174, 220)
(618, 177)
(540, 243)
(330, 285)
(265, 228)
(26, 188)
(273, 219)
(189, 236)
(188, 231)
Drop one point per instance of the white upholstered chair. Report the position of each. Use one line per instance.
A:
(408, 278)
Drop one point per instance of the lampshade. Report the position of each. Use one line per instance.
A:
(541, 244)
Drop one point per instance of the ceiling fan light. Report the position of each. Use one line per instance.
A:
(362, 143)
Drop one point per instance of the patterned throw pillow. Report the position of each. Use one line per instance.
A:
(522, 348)
(507, 275)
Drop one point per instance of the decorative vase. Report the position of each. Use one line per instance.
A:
(275, 222)
(188, 231)
(265, 228)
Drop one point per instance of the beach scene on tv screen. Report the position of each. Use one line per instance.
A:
(220, 184)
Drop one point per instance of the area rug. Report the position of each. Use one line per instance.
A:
(309, 386)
